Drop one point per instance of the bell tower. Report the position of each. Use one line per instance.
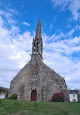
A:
(37, 45)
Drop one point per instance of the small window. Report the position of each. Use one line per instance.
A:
(73, 95)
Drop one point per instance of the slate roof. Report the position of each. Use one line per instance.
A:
(73, 91)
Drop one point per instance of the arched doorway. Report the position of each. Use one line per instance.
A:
(33, 95)
(74, 100)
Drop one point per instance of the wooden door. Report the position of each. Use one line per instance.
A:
(33, 95)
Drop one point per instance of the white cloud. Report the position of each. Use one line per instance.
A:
(26, 23)
(71, 32)
(61, 3)
(14, 51)
(1, 21)
(51, 26)
(8, 16)
(13, 11)
(66, 46)
(72, 5)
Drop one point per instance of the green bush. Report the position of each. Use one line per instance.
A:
(57, 97)
(13, 96)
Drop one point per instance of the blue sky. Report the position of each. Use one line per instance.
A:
(60, 23)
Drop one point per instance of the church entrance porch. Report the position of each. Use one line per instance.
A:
(34, 95)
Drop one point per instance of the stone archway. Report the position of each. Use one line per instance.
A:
(33, 95)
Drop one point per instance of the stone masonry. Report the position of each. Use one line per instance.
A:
(37, 76)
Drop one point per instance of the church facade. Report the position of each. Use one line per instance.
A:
(36, 81)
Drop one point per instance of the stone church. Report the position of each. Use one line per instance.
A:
(36, 81)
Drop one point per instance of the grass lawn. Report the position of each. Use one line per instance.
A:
(19, 107)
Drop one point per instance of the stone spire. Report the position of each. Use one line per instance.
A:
(38, 30)
(37, 45)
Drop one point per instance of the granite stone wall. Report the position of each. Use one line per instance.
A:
(36, 75)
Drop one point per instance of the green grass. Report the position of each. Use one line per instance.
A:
(19, 107)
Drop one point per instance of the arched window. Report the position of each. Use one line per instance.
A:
(74, 100)
(33, 95)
